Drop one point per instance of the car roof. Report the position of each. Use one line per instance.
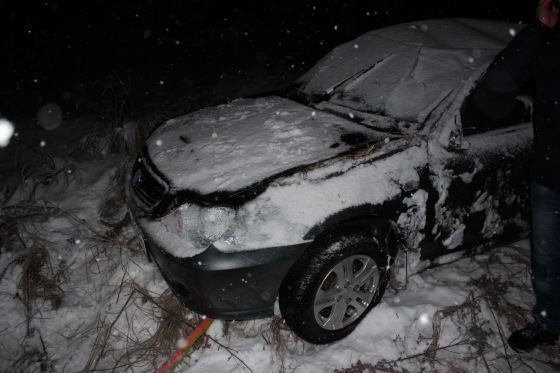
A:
(403, 71)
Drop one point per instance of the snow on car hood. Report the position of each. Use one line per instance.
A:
(236, 145)
(404, 71)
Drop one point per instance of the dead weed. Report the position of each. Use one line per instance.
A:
(114, 201)
(38, 278)
(487, 298)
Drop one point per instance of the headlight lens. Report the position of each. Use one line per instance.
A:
(203, 224)
(217, 221)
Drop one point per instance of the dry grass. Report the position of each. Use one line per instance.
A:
(114, 201)
(283, 340)
(38, 279)
(127, 140)
(27, 361)
(275, 333)
(10, 237)
(44, 172)
(173, 323)
(125, 144)
(89, 147)
(359, 367)
(170, 321)
(493, 291)
(480, 320)
(127, 136)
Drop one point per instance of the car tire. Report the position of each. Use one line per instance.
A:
(335, 283)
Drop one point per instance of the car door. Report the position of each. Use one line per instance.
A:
(480, 189)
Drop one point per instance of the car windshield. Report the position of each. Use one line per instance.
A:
(404, 71)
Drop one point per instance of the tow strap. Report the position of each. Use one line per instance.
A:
(181, 352)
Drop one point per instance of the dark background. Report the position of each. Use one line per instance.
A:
(89, 56)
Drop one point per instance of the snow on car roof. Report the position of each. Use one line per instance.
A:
(404, 71)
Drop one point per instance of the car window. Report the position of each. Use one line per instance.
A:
(484, 110)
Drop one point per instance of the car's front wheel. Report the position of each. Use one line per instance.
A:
(335, 283)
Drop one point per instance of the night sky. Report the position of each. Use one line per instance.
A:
(84, 54)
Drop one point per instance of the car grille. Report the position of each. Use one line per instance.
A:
(147, 187)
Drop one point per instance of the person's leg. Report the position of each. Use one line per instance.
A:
(545, 211)
(545, 206)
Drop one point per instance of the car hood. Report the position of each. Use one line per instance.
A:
(241, 144)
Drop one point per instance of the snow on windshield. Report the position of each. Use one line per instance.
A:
(404, 71)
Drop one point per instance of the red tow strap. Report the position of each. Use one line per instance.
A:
(181, 352)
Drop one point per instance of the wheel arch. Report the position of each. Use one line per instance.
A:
(301, 281)
(362, 217)
(366, 219)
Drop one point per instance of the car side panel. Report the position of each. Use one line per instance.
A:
(295, 209)
(482, 192)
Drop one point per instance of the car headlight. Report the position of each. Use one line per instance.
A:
(202, 224)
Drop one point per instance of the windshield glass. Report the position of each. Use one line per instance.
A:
(404, 71)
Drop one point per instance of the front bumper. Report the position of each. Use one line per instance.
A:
(240, 285)
(230, 286)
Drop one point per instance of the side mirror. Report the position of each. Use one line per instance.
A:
(456, 142)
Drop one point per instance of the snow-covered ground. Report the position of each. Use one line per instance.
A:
(78, 295)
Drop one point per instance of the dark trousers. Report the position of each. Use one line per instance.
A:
(545, 206)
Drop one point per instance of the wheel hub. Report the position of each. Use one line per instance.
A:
(346, 292)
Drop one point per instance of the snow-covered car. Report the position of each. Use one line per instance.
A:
(369, 168)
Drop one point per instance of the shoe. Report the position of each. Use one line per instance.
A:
(531, 336)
